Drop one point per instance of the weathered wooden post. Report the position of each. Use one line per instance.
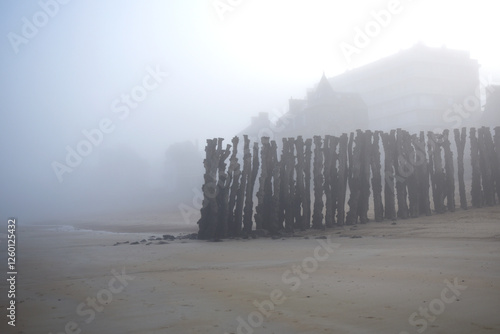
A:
(300, 185)
(334, 178)
(307, 183)
(248, 210)
(436, 171)
(245, 175)
(327, 184)
(402, 168)
(354, 177)
(411, 175)
(317, 218)
(334, 174)
(290, 186)
(389, 142)
(460, 139)
(450, 172)
(342, 178)
(492, 163)
(275, 207)
(283, 184)
(497, 156)
(476, 191)
(422, 173)
(234, 174)
(276, 184)
(485, 144)
(376, 168)
(364, 177)
(223, 195)
(262, 210)
(209, 188)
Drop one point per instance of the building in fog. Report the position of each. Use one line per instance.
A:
(421, 88)
(260, 126)
(491, 115)
(417, 89)
(324, 111)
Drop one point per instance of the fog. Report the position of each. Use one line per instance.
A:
(106, 106)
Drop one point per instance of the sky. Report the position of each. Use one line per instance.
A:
(138, 76)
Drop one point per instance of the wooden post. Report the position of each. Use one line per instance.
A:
(317, 218)
(411, 176)
(262, 210)
(290, 186)
(364, 177)
(376, 168)
(209, 189)
(214, 207)
(402, 168)
(485, 159)
(334, 178)
(476, 191)
(342, 178)
(275, 207)
(307, 183)
(450, 172)
(248, 210)
(422, 173)
(283, 184)
(300, 185)
(223, 195)
(389, 142)
(245, 175)
(354, 177)
(497, 156)
(327, 184)
(436, 171)
(234, 174)
(460, 139)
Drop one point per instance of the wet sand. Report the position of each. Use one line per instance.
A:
(437, 274)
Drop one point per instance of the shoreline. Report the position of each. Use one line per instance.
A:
(442, 224)
(376, 278)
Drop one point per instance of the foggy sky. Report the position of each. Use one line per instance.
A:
(215, 73)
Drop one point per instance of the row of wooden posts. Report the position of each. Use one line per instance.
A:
(416, 171)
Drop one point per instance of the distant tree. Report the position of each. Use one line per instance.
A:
(122, 169)
(117, 179)
(183, 169)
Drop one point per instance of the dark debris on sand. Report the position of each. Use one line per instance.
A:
(163, 240)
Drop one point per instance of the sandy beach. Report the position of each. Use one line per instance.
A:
(437, 274)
